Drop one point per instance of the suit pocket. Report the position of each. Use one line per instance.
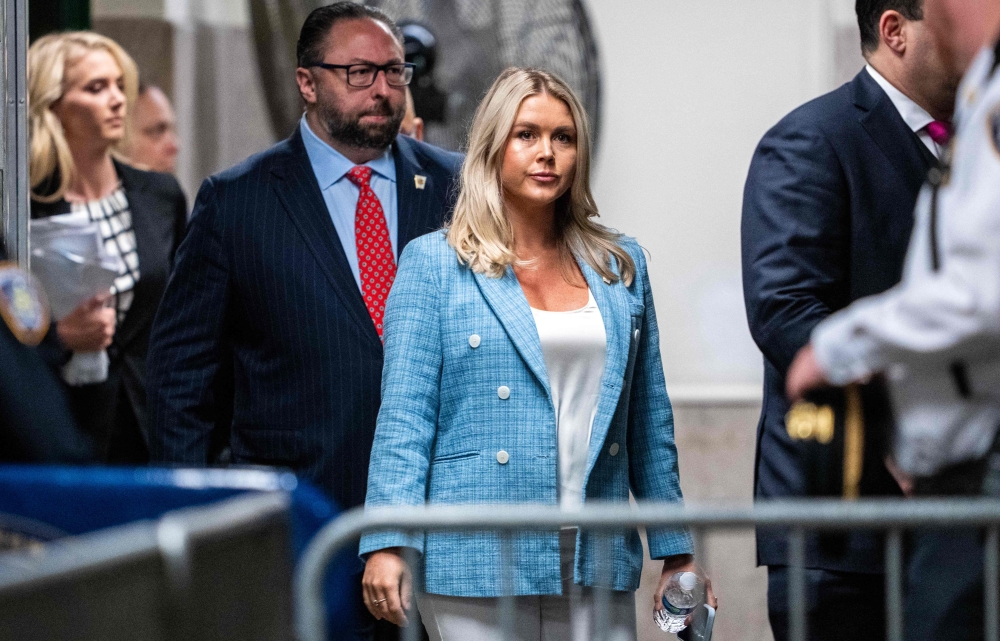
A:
(457, 478)
(445, 458)
(267, 446)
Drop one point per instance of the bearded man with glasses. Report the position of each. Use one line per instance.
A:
(282, 278)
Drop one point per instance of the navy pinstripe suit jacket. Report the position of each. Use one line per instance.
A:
(262, 278)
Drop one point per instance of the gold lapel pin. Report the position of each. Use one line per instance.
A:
(420, 181)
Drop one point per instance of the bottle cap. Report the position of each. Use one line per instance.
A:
(687, 581)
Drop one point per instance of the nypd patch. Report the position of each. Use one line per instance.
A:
(22, 305)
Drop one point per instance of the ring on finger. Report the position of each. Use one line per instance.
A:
(379, 601)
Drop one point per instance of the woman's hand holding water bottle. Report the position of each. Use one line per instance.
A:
(681, 565)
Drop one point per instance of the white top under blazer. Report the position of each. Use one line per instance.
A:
(574, 347)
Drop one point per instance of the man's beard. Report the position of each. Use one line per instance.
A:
(349, 130)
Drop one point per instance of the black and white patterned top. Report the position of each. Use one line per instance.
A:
(115, 221)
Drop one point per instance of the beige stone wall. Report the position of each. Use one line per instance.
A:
(150, 42)
(201, 53)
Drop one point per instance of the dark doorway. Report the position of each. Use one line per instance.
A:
(47, 16)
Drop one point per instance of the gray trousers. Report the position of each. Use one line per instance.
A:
(570, 616)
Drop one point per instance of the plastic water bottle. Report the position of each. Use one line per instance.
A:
(680, 598)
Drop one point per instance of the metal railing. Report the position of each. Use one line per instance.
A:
(889, 515)
(14, 201)
(172, 578)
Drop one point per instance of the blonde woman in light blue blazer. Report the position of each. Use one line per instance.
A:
(522, 365)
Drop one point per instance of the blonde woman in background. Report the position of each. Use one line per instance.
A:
(81, 86)
(522, 365)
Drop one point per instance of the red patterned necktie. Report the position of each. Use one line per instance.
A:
(371, 233)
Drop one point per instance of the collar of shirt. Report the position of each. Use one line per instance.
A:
(331, 166)
(915, 116)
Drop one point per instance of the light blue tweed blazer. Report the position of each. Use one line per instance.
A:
(443, 423)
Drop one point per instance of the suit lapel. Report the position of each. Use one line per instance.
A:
(508, 302)
(894, 138)
(414, 206)
(612, 301)
(299, 193)
(145, 239)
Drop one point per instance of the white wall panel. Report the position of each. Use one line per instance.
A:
(690, 88)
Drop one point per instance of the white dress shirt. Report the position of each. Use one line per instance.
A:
(574, 346)
(915, 116)
(937, 334)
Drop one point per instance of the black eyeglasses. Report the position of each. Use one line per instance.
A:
(397, 74)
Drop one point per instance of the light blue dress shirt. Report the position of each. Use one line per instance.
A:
(341, 195)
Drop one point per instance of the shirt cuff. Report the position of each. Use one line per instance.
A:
(843, 351)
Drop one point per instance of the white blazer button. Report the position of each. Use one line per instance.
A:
(503, 457)
(635, 335)
(613, 450)
(474, 341)
(503, 392)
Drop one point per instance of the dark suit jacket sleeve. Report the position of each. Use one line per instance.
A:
(36, 424)
(795, 238)
(187, 341)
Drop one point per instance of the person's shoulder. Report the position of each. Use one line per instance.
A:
(430, 258)
(428, 155)
(257, 165)
(630, 244)
(431, 247)
(154, 181)
(816, 130)
(828, 115)
(40, 209)
(632, 247)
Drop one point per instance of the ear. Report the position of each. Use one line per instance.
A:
(893, 32)
(307, 85)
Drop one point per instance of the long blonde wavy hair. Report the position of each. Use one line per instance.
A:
(480, 231)
(48, 60)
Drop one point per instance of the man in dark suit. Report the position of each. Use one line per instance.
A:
(827, 215)
(286, 266)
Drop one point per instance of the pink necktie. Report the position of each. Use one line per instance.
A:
(940, 132)
(371, 233)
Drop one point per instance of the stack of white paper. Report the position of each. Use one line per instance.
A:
(69, 258)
